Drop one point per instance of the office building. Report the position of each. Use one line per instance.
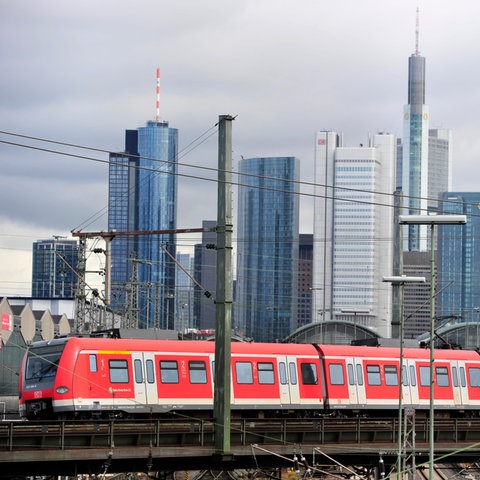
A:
(143, 197)
(184, 292)
(267, 247)
(353, 230)
(305, 272)
(459, 259)
(424, 156)
(205, 273)
(53, 268)
(415, 150)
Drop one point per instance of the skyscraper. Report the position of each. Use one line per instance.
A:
(459, 258)
(353, 230)
(424, 155)
(143, 197)
(205, 272)
(267, 259)
(305, 262)
(53, 267)
(415, 149)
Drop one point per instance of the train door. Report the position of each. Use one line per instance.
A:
(144, 378)
(460, 393)
(356, 381)
(288, 380)
(407, 382)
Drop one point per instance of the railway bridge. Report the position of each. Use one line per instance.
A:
(43, 448)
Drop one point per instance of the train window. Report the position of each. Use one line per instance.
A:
(42, 366)
(404, 376)
(359, 374)
(265, 373)
(168, 371)
(442, 376)
(474, 376)
(138, 370)
(373, 375)
(282, 371)
(150, 371)
(309, 373)
(293, 373)
(463, 380)
(244, 372)
(391, 375)
(424, 376)
(92, 360)
(118, 371)
(454, 376)
(413, 377)
(336, 374)
(351, 378)
(197, 371)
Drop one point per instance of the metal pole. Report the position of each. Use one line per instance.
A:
(432, 352)
(223, 323)
(400, 389)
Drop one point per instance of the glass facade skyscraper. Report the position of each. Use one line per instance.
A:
(459, 258)
(415, 151)
(142, 198)
(53, 265)
(267, 246)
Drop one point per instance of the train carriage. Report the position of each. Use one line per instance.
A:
(93, 376)
(89, 377)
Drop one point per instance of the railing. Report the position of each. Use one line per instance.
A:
(198, 432)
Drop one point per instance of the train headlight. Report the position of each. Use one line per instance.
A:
(61, 390)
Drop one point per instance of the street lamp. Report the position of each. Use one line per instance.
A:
(432, 220)
(400, 281)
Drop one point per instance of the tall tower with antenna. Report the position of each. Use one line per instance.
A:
(415, 147)
(143, 197)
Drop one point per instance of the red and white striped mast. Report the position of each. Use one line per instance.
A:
(157, 117)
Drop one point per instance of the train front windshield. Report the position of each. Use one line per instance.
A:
(42, 362)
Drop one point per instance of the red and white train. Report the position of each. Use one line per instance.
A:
(90, 377)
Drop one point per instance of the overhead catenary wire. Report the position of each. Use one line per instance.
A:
(213, 169)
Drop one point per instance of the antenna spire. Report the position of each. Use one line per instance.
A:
(417, 32)
(157, 117)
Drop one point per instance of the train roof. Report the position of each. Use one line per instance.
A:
(392, 352)
(199, 346)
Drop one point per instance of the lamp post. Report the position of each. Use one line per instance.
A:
(432, 220)
(400, 281)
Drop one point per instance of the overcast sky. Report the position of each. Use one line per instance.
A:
(83, 72)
